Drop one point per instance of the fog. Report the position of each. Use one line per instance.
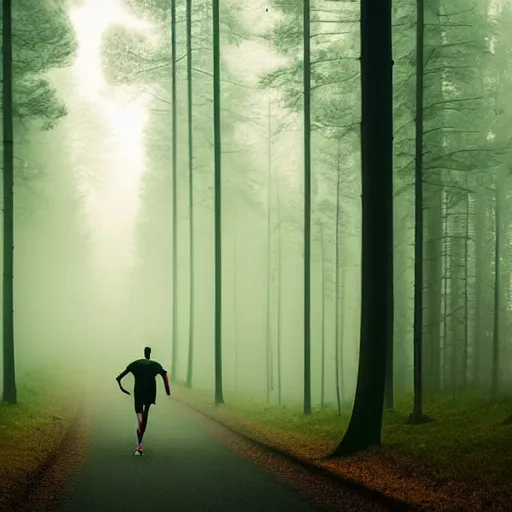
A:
(93, 247)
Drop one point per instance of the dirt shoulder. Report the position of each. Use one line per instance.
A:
(459, 462)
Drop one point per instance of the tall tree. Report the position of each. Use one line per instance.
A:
(365, 426)
(40, 29)
(446, 268)
(338, 351)
(9, 384)
(322, 337)
(417, 414)
(174, 195)
(190, 359)
(235, 306)
(334, 115)
(279, 287)
(131, 59)
(498, 191)
(466, 289)
(390, 366)
(268, 330)
(307, 207)
(433, 201)
(480, 236)
(217, 201)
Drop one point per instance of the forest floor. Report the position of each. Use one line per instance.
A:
(31, 431)
(460, 461)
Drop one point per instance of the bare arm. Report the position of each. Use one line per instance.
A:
(165, 377)
(119, 377)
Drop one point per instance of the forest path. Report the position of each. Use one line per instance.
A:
(184, 467)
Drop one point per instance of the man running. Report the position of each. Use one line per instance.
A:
(144, 392)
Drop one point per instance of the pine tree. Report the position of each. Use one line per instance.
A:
(365, 424)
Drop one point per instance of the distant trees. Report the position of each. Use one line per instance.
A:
(458, 154)
(442, 129)
(494, 350)
(130, 58)
(325, 96)
(449, 260)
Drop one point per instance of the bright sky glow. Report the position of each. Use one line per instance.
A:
(112, 207)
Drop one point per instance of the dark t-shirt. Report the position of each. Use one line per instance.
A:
(145, 372)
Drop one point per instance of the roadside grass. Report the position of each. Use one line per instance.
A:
(462, 459)
(31, 430)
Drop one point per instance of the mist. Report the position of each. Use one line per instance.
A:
(93, 247)
(302, 208)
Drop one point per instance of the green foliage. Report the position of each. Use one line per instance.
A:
(335, 97)
(334, 66)
(37, 101)
(286, 35)
(128, 58)
(153, 9)
(43, 39)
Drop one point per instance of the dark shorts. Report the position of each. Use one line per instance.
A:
(141, 401)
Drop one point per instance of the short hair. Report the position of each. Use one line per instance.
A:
(147, 352)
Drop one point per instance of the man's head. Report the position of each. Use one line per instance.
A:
(147, 352)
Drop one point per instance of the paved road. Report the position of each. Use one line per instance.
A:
(184, 468)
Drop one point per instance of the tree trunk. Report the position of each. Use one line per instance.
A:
(174, 198)
(495, 373)
(480, 240)
(365, 426)
(341, 358)
(279, 288)
(307, 209)
(433, 252)
(432, 239)
(190, 365)
(235, 305)
(466, 296)
(337, 340)
(9, 381)
(322, 368)
(390, 373)
(446, 271)
(268, 330)
(217, 202)
(455, 293)
(417, 415)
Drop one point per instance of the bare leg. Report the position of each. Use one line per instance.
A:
(144, 421)
(140, 431)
